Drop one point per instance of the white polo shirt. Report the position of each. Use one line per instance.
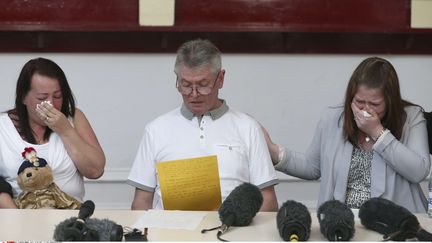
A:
(234, 137)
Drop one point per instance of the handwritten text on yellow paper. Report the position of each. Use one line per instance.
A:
(190, 184)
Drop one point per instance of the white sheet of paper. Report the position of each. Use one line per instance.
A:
(170, 219)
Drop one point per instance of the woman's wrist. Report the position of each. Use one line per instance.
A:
(381, 132)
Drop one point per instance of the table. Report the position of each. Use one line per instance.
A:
(39, 225)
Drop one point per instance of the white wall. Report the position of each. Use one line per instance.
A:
(120, 93)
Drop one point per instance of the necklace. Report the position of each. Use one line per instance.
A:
(366, 137)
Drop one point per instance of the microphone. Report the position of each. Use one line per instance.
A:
(85, 229)
(101, 230)
(240, 206)
(76, 229)
(86, 210)
(293, 221)
(395, 222)
(336, 221)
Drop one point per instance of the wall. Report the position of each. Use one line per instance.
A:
(120, 93)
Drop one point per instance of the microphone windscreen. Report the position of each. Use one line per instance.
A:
(336, 221)
(423, 235)
(386, 217)
(108, 230)
(105, 229)
(65, 231)
(241, 205)
(86, 209)
(293, 218)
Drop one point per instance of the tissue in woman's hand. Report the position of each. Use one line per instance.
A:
(366, 114)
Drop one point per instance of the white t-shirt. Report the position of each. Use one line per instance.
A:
(235, 138)
(65, 174)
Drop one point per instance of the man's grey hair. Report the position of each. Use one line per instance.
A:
(198, 54)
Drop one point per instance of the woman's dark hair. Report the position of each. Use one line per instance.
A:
(375, 72)
(19, 114)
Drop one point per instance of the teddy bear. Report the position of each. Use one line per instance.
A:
(38, 187)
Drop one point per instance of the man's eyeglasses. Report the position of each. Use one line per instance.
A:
(187, 89)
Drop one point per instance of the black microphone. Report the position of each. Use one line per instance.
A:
(85, 229)
(395, 222)
(293, 221)
(86, 210)
(100, 230)
(77, 229)
(336, 221)
(240, 206)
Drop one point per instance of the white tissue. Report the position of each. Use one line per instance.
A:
(366, 114)
(46, 102)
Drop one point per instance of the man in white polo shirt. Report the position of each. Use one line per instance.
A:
(204, 125)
